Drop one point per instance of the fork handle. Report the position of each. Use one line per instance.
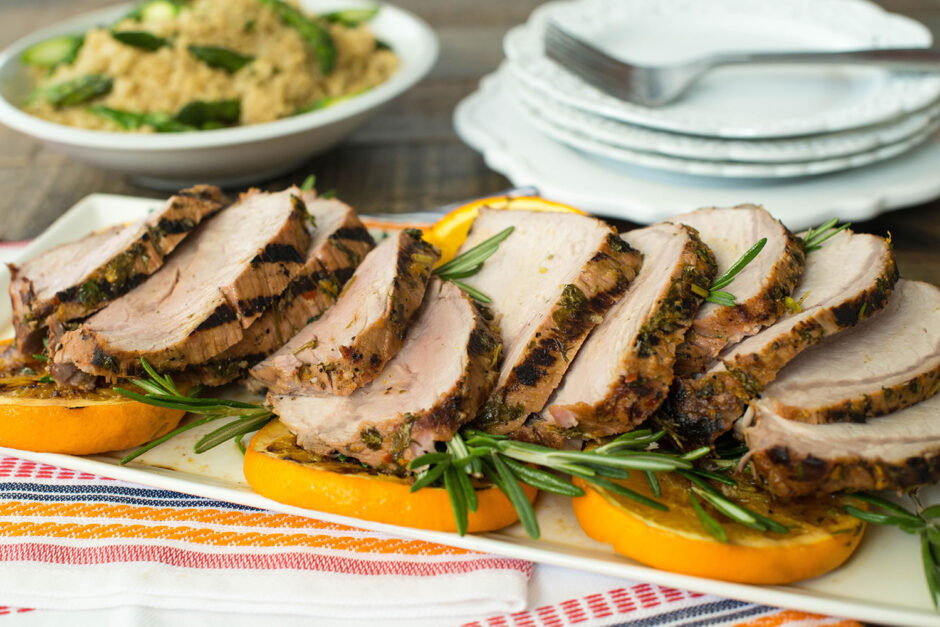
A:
(916, 59)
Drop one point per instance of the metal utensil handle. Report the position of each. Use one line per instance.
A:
(898, 58)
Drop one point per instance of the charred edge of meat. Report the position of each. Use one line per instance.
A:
(702, 409)
(460, 406)
(785, 472)
(707, 338)
(356, 234)
(223, 314)
(697, 411)
(885, 401)
(641, 391)
(580, 308)
(217, 372)
(278, 253)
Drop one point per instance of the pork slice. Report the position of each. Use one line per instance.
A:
(551, 281)
(433, 386)
(899, 451)
(623, 371)
(339, 242)
(215, 285)
(348, 346)
(76, 279)
(759, 289)
(885, 363)
(847, 280)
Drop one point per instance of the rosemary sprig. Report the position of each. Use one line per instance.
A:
(816, 236)
(508, 464)
(922, 523)
(714, 293)
(469, 263)
(161, 391)
(475, 455)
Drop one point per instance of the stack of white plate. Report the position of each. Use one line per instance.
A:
(811, 138)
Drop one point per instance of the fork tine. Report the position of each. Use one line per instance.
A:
(596, 67)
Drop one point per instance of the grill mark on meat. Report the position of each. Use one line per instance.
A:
(568, 270)
(347, 347)
(355, 234)
(424, 395)
(699, 410)
(900, 451)
(886, 363)
(194, 307)
(278, 253)
(76, 279)
(623, 371)
(222, 314)
(760, 288)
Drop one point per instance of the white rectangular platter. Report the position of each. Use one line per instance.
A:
(882, 583)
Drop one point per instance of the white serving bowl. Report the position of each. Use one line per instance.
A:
(228, 157)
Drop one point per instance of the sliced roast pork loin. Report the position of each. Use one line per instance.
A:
(433, 386)
(759, 289)
(899, 451)
(623, 371)
(79, 278)
(339, 242)
(551, 281)
(886, 362)
(846, 280)
(198, 304)
(348, 346)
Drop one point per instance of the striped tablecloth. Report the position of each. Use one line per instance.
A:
(123, 552)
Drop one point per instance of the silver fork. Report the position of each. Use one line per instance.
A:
(657, 85)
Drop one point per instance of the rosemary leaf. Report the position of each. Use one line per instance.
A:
(883, 519)
(475, 256)
(474, 293)
(543, 480)
(712, 526)
(616, 488)
(172, 434)
(233, 429)
(653, 481)
(728, 276)
(457, 498)
(427, 459)
(517, 497)
(816, 236)
(428, 478)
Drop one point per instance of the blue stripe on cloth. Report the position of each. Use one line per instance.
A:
(698, 615)
(110, 494)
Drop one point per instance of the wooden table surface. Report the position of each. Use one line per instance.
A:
(408, 158)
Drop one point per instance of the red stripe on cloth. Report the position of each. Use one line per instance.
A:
(598, 606)
(23, 469)
(573, 611)
(54, 554)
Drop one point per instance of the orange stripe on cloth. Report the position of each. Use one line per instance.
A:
(187, 525)
(785, 617)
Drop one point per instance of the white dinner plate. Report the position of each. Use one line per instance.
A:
(742, 101)
(784, 150)
(231, 156)
(724, 169)
(488, 121)
(860, 589)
